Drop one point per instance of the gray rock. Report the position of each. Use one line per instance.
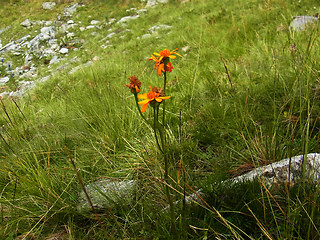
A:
(48, 5)
(48, 23)
(69, 11)
(54, 60)
(110, 35)
(156, 28)
(94, 22)
(145, 36)
(26, 23)
(64, 50)
(141, 11)
(128, 18)
(300, 22)
(11, 46)
(4, 80)
(107, 194)
(286, 170)
(151, 3)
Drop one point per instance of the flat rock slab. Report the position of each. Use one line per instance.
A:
(107, 193)
(286, 170)
(300, 22)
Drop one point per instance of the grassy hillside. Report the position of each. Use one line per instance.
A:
(244, 93)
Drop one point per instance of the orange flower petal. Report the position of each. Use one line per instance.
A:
(144, 102)
(144, 107)
(167, 97)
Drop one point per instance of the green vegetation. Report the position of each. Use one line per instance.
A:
(245, 93)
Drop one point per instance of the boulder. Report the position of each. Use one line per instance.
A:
(300, 22)
(286, 170)
(26, 23)
(107, 193)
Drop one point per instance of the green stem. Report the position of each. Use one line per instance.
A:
(166, 160)
(156, 126)
(164, 102)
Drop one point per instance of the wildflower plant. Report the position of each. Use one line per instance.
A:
(155, 98)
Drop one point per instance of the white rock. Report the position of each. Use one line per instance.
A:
(110, 35)
(90, 27)
(82, 29)
(70, 22)
(94, 22)
(64, 50)
(69, 11)
(128, 18)
(159, 27)
(4, 80)
(145, 36)
(70, 35)
(48, 23)
(141, 11)
(111, 20)
(54, 60)
(26, 23)
(48, 5)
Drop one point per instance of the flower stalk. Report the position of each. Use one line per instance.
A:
(154, 98)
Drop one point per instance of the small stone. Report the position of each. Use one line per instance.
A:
(48, 5)
(4, 80)
(145, 36)
(48, 23)
(70, 22)
(94, 22)
(54, 60)
(26, 23)
(69, 11)
(159, 27)
(64, 50)
(186, 48)
(110, 35)
(82, 29)
(111, 20)
(90, 27)
(128, 18)
(70, 35)
(141, 11)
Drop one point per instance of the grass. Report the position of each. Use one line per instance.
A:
(245, 93)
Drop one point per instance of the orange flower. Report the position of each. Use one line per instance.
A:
(134, 84)
(163, 60)
(154, 96)
(166, 53)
